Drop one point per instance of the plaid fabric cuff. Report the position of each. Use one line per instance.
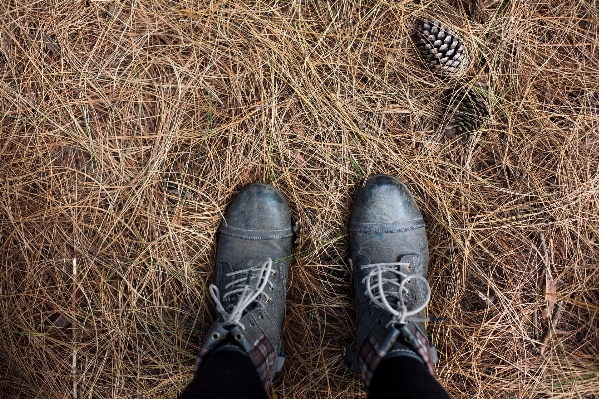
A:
(424, 349)
(372, 353)
(369, 357)
(263, 356)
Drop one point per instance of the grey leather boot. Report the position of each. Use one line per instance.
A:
(389, 255)
(252, 262)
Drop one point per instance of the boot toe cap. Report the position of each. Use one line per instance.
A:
(384, 203)
(258, 212)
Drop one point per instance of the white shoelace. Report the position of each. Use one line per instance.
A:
(400, 312)
(247, 294)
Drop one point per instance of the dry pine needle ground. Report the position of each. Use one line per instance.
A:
(127, 126)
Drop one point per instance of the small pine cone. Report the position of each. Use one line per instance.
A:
(440, 48)
(466, 112)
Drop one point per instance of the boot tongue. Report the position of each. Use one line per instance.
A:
(250, 280)
(389, 287)
(408, 297)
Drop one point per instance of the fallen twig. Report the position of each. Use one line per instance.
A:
(551, 331)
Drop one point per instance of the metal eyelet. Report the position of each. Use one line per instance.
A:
(251, 324)
(215, 336)
(238, 337)
(260, 315)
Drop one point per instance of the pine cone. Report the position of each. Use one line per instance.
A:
(466, 111)
(440, 48)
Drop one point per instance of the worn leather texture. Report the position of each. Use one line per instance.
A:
(386, 226)
(256, 227)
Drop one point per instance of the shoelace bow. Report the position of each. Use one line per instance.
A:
(248, 294)
(399, 311)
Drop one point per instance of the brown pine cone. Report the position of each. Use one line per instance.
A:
(466, 111)
(440, 48)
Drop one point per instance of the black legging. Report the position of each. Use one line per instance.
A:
(404, 378)
(231, 375)
(226, 374)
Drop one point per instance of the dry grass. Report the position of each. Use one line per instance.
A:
(127, 127)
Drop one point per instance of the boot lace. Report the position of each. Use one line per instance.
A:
(247, 292)
(395, 288)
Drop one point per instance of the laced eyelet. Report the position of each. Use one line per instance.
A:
(400, 286)
(242, 285)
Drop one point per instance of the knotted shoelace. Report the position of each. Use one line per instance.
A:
(247, 292)
(398, 310)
